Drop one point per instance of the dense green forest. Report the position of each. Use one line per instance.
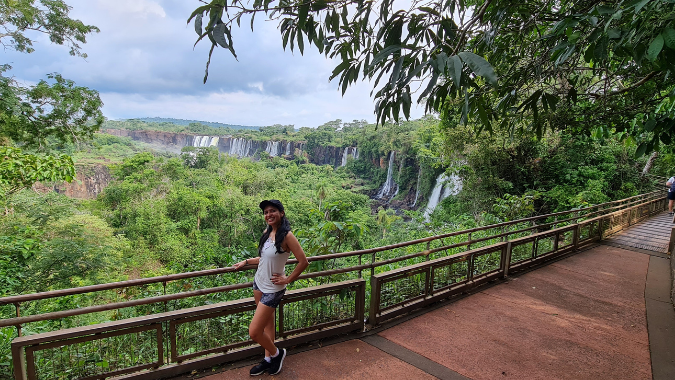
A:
(168, 213)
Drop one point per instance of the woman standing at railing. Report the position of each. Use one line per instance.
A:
(269, 285)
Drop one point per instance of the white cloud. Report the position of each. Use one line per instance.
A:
(135, 8)
(143, 63)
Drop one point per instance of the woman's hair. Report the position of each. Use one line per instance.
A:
(282, 231)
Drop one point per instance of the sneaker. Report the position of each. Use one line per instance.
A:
(260, 368)
(275, 366)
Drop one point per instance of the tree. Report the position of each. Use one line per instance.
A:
(600, 66)
(54, 110)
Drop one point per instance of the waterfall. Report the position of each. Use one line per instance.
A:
(272, 148)
(240, 147)
(389, 184)
(288, 149)
(417, 192)
(350, 150)
(204, 141)
(445, 186)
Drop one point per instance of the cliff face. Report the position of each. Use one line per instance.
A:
(235, 146)
(169, 141)
(89, 182)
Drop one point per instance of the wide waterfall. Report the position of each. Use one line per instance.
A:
(390, 186)
(204, 141)
(240, 147)
(445, 186)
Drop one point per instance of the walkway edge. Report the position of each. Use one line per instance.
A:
(660, 319)
(416, 360)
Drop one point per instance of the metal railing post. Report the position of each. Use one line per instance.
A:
(506, 257)
(19, 360)
(374, 300)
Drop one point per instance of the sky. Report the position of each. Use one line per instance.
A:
(144, 65)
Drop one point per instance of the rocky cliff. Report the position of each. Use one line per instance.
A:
(90, 180)
(237, 146)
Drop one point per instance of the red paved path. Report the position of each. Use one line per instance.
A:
(579, 318)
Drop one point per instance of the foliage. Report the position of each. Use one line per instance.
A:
(39, 115)
(19, 170)
(561, 64)
(46, 16)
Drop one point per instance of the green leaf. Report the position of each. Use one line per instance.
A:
(655, 48)
(198, 24)
(650, 125)
(384, 53)
(430, 10)
(479, 66)
(302, 15)
(641, 150)
(219, 35)
(669, 37)
(455, 69)
(301, 43)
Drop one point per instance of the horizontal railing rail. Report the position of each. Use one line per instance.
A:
(162, 342)
(404, 289)
(469, 259)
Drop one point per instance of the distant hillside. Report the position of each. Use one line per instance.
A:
(187, 122)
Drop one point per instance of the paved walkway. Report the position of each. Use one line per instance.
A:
(583, 317)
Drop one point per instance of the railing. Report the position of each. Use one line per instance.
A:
(212, 333)
(431, 269)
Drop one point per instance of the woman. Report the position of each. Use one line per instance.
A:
(269, 285)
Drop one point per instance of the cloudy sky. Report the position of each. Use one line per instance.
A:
(144, 65)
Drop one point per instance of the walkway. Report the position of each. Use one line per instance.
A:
(652, 235)
(583, 317)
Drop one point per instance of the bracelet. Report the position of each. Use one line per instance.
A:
(246, 261)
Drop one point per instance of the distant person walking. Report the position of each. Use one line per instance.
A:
(671, 194)
(269, 285)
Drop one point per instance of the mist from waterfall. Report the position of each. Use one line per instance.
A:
(445, 186)
(390, 186)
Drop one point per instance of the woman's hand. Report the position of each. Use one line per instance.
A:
(240, 264)
(279, 279)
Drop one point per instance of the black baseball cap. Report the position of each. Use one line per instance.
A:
(272, 202)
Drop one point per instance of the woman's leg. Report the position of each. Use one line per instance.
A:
(261, 329)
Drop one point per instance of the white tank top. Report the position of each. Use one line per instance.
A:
(270, 262)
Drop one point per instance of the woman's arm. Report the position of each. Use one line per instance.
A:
(292, 244)
(241, 264)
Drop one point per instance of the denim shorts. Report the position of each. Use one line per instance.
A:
(270, 299)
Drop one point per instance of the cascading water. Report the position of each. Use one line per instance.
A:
(288, 149)
(417, 192)
(390, 186)
(272, 148)
(204, 141)
(240, 147)
(350, 150)
(445, 186)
